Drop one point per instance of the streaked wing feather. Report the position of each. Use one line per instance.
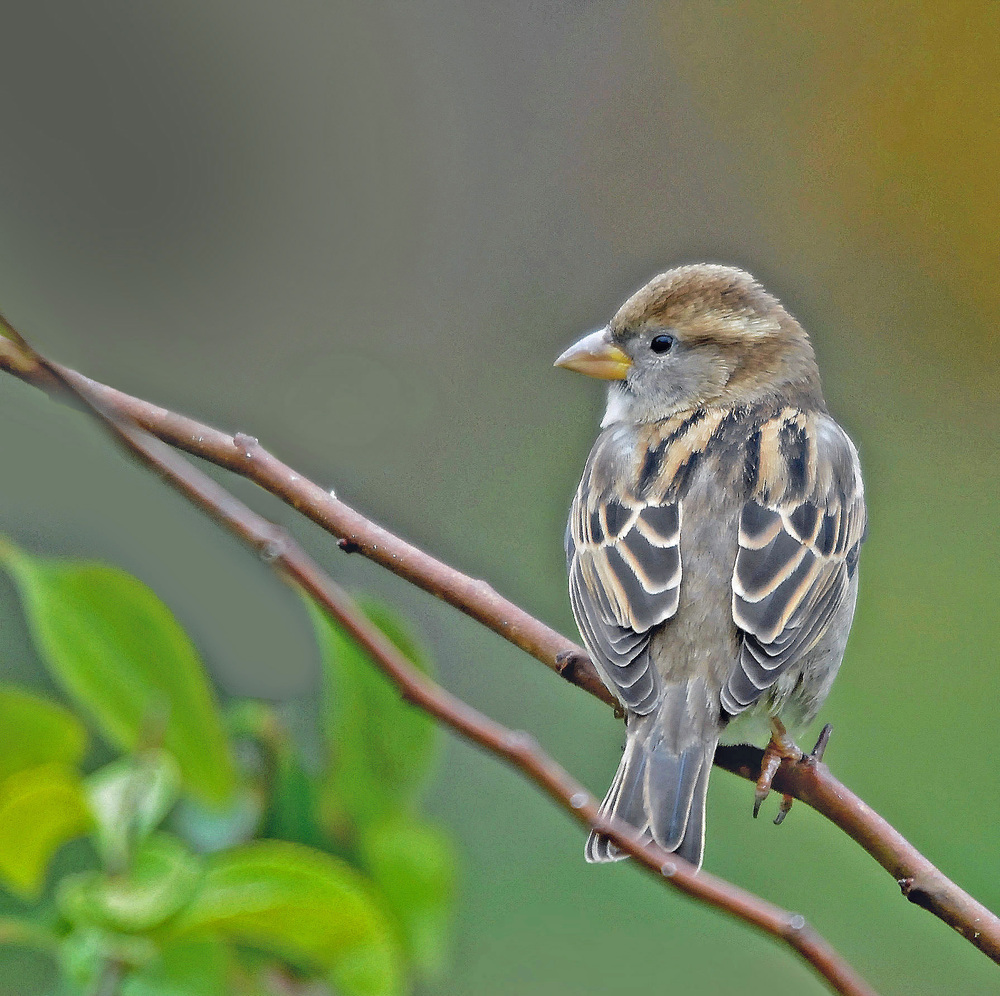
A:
(624, 578)
(797, 553)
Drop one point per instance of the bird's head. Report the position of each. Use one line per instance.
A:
(696, 336)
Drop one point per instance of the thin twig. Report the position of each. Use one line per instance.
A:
(518, 748)
(920, 881)
(243, 455)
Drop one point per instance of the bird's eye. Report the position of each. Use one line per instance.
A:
(661, 343)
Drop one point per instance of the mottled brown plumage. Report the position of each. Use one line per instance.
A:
(713, 542)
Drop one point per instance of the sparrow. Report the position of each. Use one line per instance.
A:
(713, 541)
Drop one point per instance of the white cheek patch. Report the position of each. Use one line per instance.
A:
(619, 407)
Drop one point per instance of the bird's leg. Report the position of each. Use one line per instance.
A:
(780, 748)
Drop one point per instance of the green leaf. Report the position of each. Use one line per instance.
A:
(380, 746)
(292, 811)
(274, 763)
(90, 957)
(191, 968)
(163, 877)
(129, 798)
(36, 731)
(19, 932)
(414, 866)
(40, 810)
(303, 905)
(209, 828)
(119, 652)
(83, 956)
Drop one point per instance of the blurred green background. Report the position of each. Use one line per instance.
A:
(362, 231)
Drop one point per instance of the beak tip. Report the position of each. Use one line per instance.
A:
(596, 356)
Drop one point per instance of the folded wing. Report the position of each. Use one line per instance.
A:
(799, 538)
(624, 579)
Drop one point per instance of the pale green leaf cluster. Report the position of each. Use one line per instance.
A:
(221, 859)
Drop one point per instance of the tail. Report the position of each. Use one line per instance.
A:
(662, 781)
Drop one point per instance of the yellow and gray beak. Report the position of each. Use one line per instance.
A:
(596, 356)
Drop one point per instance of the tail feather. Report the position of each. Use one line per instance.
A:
(692, 847)
(662, 782)
(624, 801)
(672, 780)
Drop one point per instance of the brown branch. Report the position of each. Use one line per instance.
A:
(920, 881)
(518, 748)
(242, 454)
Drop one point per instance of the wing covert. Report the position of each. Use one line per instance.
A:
(624, 560)
(624, 579)
(799, 536)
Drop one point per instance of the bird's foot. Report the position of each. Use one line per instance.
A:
(780, 748)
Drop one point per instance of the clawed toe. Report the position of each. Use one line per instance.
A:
(768, 769)
(780, 748)
(786, 804)
(820, 749)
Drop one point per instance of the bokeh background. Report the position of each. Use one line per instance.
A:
(361, 231)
